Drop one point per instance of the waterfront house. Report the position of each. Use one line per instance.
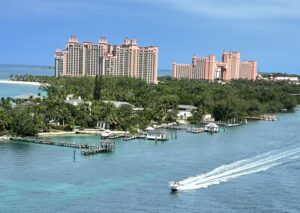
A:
(71, 99)
(185, 111)
(25, 104)
(207, 118)
(26, 97)
(54, 123)
(118, 104)
(103, 125)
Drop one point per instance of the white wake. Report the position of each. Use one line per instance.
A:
(240, 168)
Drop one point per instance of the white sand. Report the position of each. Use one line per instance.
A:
(4, 138)
(20, 82)
(55, 133)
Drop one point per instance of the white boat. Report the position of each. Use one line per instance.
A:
(232, 124)
(106, 134)
(195, 130)
(149, 128)
(156, 136)
(174, 185)
(212, 127)
(274, 118)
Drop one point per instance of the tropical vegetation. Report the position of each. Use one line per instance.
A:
(157, 103)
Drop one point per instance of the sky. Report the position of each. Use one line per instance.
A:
(263, 30)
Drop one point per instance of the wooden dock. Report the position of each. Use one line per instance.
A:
(176, 128)
(106, 146)
(133, 137)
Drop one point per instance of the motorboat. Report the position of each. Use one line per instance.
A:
(212, 128)
(174, 185)
(106, 134)
(195, 130)
(156, 136)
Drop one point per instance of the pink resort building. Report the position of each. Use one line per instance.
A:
(88, 59)
(208, 68)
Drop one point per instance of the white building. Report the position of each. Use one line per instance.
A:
(185, 111)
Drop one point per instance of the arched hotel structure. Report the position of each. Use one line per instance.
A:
(207, 68)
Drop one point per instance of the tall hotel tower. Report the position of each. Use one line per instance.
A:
(207, 68)
(88, 59)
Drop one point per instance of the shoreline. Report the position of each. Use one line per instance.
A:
(56, 133)
(30, 83)
(78, 132)
(4, 138)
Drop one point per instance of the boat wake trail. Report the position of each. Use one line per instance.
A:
(240, 168)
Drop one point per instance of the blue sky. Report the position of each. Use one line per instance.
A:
(264, 30)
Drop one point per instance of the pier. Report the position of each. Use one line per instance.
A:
(133, 137)
(106, 146)
(176, 128)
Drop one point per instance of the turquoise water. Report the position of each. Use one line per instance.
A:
(40, 178)
(134, 178)
(12, 90)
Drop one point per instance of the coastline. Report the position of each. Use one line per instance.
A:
(4, 138)
(56, 133)
(78, 132)
(20, 82)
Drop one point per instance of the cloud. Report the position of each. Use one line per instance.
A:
(241, 9)
(229, 9)
(60, 8)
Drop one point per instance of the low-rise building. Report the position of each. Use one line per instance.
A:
(185, 111)
(207, 118)
(286, 78)
(76, 101)
(27, 97)
(118, 104)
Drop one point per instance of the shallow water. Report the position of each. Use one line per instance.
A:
(41, 178)
(135, 177)
(13, 90)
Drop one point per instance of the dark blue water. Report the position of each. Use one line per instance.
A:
(40, 178)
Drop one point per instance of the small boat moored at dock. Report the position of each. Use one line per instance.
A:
(106, 134)
(157, 136)
(212, 128)
(232, 124)
(195, 130)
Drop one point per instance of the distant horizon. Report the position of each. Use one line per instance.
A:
(160, 69)
(265, 31)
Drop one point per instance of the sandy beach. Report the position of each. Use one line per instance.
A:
(82, 132)
(4, 138)
(56, 133)
(20, 82)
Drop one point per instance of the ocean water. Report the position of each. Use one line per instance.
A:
(164, 72)
(251, 168)
(12, 90)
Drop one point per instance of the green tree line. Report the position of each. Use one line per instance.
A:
(235, 100)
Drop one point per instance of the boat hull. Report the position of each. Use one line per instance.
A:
(174, 186)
